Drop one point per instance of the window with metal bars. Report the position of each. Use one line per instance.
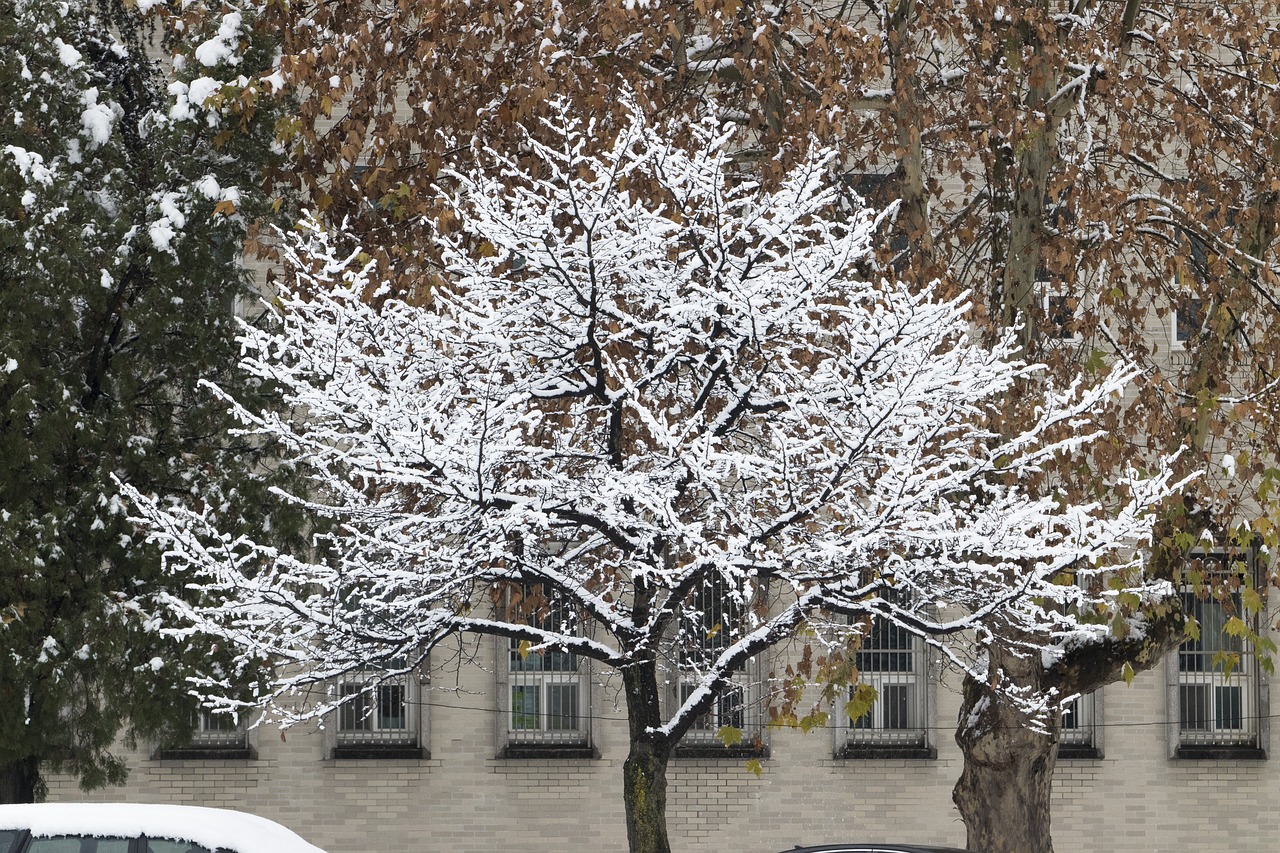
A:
(711, 621)
(1078, 730)
(893, 662)
(546, 690)
(1218, 697)
(213, 736)
(218, 731)
(379, 717)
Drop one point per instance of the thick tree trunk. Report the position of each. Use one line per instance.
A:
(644, 775)
(1003, 792)
(20, 780)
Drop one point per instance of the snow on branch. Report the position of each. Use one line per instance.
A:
(641, 376)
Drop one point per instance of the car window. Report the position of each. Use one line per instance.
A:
(78, 844)
(7, 839)
(168, 845)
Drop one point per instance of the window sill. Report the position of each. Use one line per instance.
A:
(879, 753)
(713, 750)
(1221, 753)
(1078, 752)
(380, 751)
(206, 753)
(526, 751)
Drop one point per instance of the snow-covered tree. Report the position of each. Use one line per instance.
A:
(1091, 170)
(637, 377)
(124, 201)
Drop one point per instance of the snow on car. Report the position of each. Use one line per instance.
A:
(141, 828)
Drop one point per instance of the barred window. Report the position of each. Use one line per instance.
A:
(380, 715)
(1217, 691)
(546, 689)
(893, 662)
(713, 620)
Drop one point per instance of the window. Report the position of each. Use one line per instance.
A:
(218, 731)
(1078, 731)
(1217, 694)
(1061, 316)
(1188, 319)
(875, 190)
(213, 736)
(379, 717)
(546, 689)
(168, 845)
(78, 844)
(710, 623)
(893, 662)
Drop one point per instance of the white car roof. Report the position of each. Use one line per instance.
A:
(210, 828)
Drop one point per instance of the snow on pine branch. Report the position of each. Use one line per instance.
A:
(641, 376)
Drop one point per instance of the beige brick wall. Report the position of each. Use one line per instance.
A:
(464, 799)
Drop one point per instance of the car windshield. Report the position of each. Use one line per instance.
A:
(7, 838)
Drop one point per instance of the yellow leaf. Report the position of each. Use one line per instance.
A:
(226, 207)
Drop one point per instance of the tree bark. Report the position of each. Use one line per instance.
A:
(20, 780)
(1003, 792)
(644, 782)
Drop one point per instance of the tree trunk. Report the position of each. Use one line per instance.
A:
(644, 775)
(20, 780)
(1003, 792)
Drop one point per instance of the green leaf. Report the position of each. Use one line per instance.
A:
(1192, 629)
(809, 722)
(729, 735)
(1251, 600)
(1127, 673)
(1129, 600)
(864, 696)
(755, 767)
(1236, 627)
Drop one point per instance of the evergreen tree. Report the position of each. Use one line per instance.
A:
(127, 190)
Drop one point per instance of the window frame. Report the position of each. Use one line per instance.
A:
(876, 738)
(373, 739)
(1083, 738)
(210, 744)
(512, 673)
(702, 739)
(1250, 739)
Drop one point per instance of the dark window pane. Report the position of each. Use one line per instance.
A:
(1229, 707)
(562, 707)
(392, 713)
(896, 701)
(1071, 716)
(78, 844)
(354, 716)
(1193, 707)
(733, 708)
(7, 839)
(167, 845)
(1060, 315)
(1189, 318)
